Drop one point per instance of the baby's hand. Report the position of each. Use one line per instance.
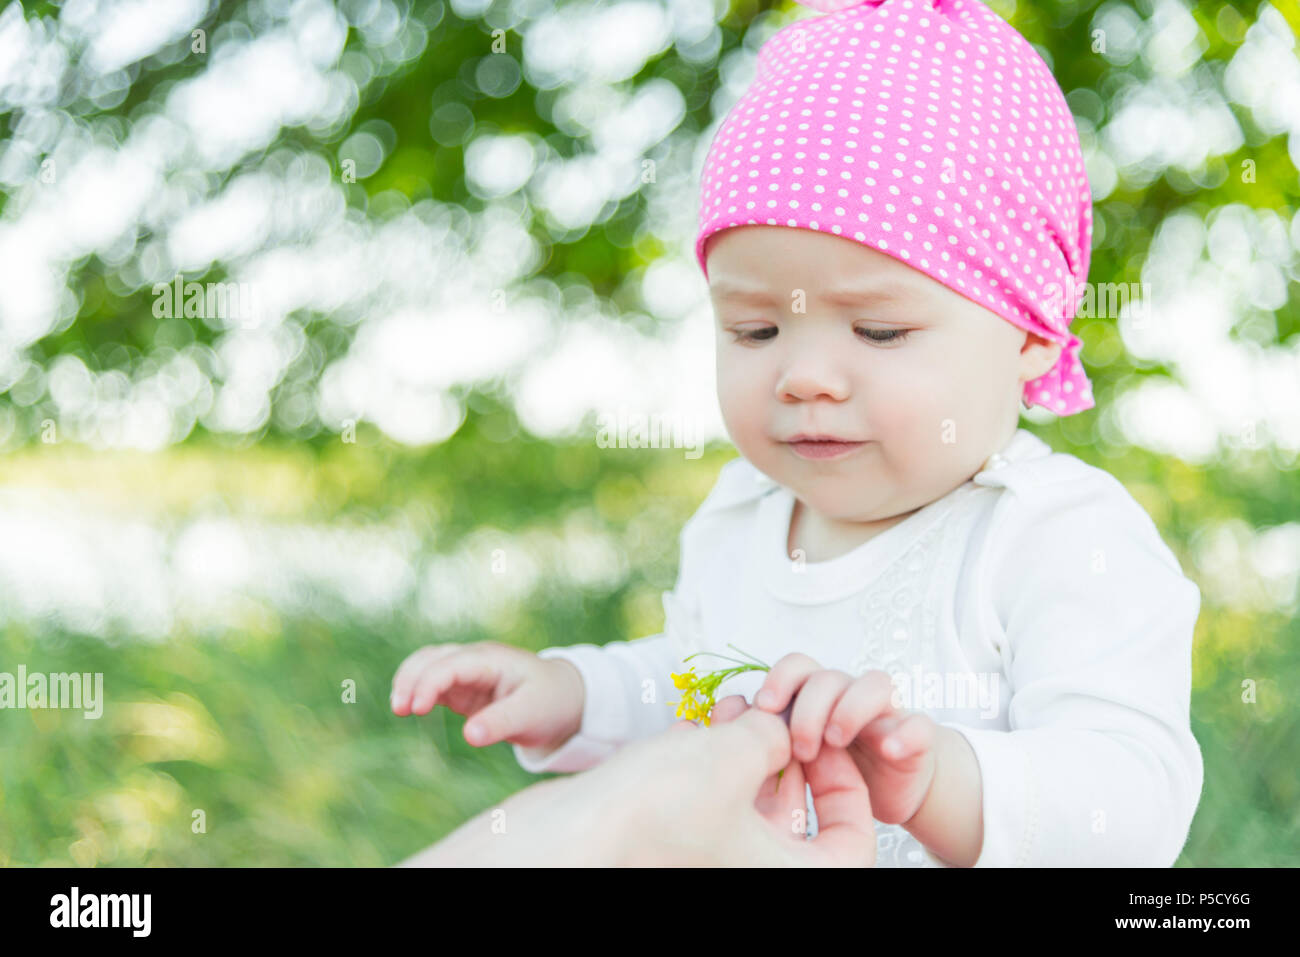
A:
(508, 693)
(893, 749)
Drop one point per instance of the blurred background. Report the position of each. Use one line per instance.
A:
(315, 318)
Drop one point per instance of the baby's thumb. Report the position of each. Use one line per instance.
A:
(500, 720)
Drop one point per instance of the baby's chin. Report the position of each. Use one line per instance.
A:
(848, 498)
(857, 512)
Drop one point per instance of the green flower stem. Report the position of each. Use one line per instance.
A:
(710, 681)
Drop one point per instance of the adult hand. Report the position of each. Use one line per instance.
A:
(846, 829)
(688, 797)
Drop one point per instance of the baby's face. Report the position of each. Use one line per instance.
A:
(818, 334)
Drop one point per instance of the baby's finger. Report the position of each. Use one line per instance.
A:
(463, 669)
(903, 738)
(784, 680)
(865, 700)
(812, 708)
(409, 671)
(415, 661)
(502, 719)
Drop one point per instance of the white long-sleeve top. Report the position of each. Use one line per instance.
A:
(1039, 587)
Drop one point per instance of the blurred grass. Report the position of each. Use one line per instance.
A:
(253, 731)
(251, 727)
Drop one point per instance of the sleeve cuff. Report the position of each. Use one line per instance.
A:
(603, 716)
(577, 754)
(1009, 796)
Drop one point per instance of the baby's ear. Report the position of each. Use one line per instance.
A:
(1037, 356)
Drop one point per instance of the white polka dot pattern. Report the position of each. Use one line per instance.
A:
(931, 131)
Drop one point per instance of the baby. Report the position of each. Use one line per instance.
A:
(895, 227)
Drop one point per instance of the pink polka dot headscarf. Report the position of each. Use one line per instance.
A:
(929, 130)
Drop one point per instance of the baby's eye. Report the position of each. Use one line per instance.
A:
(757, 335)
(889, 335)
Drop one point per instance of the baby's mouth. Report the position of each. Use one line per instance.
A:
(823, 448)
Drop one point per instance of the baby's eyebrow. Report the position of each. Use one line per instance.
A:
(725, 291)
(849, 296)
(841, 295)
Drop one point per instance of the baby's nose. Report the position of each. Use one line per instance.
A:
(807, 383)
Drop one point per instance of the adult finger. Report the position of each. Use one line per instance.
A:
(846, 832)
(749, 749)
(783, 801)
(781, 793)
(728, 709)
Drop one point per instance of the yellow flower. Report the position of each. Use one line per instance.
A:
(686, 679)
(700, 691)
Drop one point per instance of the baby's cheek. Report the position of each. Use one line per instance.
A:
(737, 384)
(742, 412)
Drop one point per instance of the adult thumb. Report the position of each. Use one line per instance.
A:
(753, 746)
